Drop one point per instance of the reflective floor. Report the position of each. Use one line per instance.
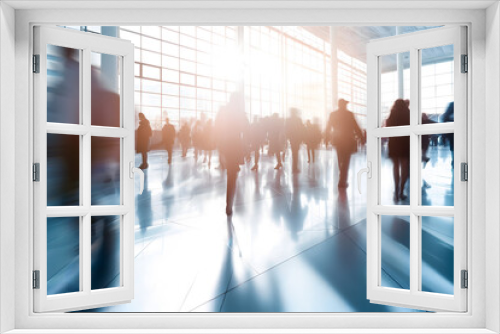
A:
(294, 244)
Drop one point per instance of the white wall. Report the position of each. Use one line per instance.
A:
(492, 147)
(7, 159)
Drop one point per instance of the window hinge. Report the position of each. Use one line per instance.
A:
(465, 64)
(465, 279)
(36, 172)
(36, 63)
(464, 171)
(36, 279)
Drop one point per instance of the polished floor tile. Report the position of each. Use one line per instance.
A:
(296, 243)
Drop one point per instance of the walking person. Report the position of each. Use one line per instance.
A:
(399, 148)
(208, 141)
(346, 131)
(231, 124)
(257, 137)
(185, 138)
(276, 138)
(168, 136)
(143, 136)
(295, 134)
(312, 139)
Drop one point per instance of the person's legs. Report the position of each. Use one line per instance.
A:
(395, 173)
(144, 164)
(278, 158)
(257, 157)
(313, 154)
(209, 158)
(309, 154)
(232, 174)
(344, 159)
(405, 171)
(169, 152)
(295, 158)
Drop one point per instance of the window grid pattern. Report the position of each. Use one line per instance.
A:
(182, 72)
(352, 85)
(286, 67)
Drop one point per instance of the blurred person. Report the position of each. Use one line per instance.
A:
(312, 139)
(276, 138)
(426, 139)
(185, 138)
(345, 131)
(168, 136)
(257, 136)
(295, 133)
(449, 116)
(208, 141)
(143, 135)
(197, 136)
(399, 148)
(230, 125)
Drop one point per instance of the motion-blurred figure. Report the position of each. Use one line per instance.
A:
(449, 116)
(295, 132)
(276, 138)
(345, 132)
(208, 141)
(257, 136)
(143, 134)
(231, 124)
(399, 148)
(313, 139)
(185, 138)
(197, 136)
(168, 136)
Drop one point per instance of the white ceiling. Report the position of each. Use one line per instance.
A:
(250, 4)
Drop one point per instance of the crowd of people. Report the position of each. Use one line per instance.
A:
(235, 139)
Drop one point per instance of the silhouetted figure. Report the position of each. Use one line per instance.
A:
(346, 131)
(426, 139)
(313, 139)
(276, 138)
(185, 138)
(168, 136)
(197, 136)
(143, 134)
(449, 116)
(399, 148)
(208, 140)
(257, 136)
(231, 124)
(295, 132)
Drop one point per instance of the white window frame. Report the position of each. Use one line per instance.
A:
(476, 320)
(414, 296)
(85, 44)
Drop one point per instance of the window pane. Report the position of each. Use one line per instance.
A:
(63, 85)
(105, 257)
(437, 83)
(63, 255)
(395, 171)
(151, 58)
(395, 251)
(106, 77)
(63, 170)
(437, 169)
(151, 72)
(105, 171)
(437, 254)
(394, 85)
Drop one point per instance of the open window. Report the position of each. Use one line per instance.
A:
(400, 228)
(83, 154)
